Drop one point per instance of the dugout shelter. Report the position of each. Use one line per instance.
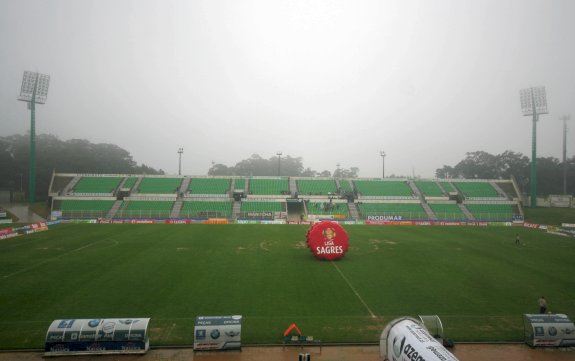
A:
(97, 336)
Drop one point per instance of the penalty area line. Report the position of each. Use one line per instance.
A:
(353, 290)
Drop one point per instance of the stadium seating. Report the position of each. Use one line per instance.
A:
(447, 187)
(345, 186)
(316, 186)
(429, 189)
(152, 196)
(380, 188)
(326, 208)
(255, 206)
(275, 186)
(477, 189)
(491, 211)
(74, 208)
(94, 185)
(145, 209)
(209, 186)
(239, 184)
(448, 211)
(130, 182)
(206, 209)
(155, 185)
(407, 211)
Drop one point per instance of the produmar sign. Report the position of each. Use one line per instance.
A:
(327, 240)
(218, 332)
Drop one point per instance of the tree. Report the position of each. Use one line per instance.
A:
(346, 173)
(511, 164)
(288, 166)
(71, 156)
(479, 164)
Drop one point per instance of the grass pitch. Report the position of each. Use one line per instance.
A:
(475, 278)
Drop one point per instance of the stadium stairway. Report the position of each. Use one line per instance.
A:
(429, 211)
(121, 185)
(353, 213)
(292, 186)
(114, 209)
(71, 185)
(175, 212)
(424, 204)
(236, 209)
(183, 188)
(465, 211)
(498, 189)
(137, 184)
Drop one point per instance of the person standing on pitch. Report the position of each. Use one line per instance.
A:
(517, 240)
(542, 304)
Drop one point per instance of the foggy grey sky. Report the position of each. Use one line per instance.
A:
(329, 81)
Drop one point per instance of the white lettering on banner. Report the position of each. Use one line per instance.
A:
(384, 218)
(329, 250)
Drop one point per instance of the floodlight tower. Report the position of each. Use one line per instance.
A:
(382, 153)
(565, 118)
(279, 154)
(534, 102)
(34, 91)
(180, 151)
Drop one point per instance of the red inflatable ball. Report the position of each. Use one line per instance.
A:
(327, 240)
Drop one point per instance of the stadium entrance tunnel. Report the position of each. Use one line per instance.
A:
(406, 338)
(97, 336)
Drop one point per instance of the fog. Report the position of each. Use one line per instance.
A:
(333, 82)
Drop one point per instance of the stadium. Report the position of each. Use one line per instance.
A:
(283, 199)
(174, 248)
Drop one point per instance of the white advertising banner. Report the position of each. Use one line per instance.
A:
(407, 340)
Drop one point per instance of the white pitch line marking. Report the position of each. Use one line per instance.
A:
(353, 289)
(59, 256)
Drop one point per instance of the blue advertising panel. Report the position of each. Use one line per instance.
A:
(97, 336)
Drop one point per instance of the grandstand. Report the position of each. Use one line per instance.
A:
(476, 189)
(316, 187)
(383, 188)
(145, 209)
(206, 209)
(281, 199)
(268, 186)
(209, 186)
(82, 208)
(429, 188)
(393, 211)
(159, 185)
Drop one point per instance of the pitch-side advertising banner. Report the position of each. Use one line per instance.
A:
(218, 332)
(97, 336)
(549, 330)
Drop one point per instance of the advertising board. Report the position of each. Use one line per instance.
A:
(97, 336)
(549, 330)
(218, 332)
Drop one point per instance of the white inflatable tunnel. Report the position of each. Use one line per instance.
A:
(406, 339)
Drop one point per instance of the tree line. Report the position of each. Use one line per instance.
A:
(483, 165)
(53, 154)
(277, 166)
(82, 156)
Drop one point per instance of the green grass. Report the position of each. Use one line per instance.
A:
(475, 278)
(550, 216)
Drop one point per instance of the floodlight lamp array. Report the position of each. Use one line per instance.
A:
(34, 81)
(533, 99)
